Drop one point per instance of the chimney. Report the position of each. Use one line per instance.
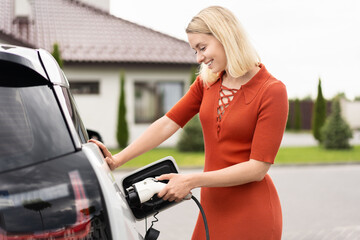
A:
(22, 18)
(22, 11)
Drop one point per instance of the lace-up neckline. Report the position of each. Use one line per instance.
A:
(226, 95)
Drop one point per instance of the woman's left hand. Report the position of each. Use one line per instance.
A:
(176, 189)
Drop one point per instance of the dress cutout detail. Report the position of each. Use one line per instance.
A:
(226, 95)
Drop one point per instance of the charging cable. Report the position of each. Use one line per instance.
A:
(152, 233)
(140, 192)
(203, 216)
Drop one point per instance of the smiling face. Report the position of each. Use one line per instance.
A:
(208, 50)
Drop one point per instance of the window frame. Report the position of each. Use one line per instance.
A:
(155, 85)
(78, 82)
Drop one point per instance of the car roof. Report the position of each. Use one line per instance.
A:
(37, 60)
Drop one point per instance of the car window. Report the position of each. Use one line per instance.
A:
(32, 128)
(75, 117)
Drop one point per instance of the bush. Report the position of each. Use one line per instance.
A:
(57, 55)
(319, 114)
(191, 139)
(336, 133)
(122, 133)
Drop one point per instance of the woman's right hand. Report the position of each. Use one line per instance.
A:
(109, 158)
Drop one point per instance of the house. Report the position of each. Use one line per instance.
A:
(96, 47)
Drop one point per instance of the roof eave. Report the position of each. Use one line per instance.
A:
(129, 62)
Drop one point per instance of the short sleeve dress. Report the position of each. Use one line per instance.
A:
(251, 127)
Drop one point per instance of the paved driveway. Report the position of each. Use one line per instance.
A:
(319, 203)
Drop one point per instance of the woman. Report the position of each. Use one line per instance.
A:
(243, 111)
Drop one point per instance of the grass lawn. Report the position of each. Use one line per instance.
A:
(316, 155)
(286, 155)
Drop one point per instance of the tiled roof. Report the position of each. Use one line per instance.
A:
(85, 33)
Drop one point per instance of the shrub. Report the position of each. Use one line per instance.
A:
(191, 139)
(319, 114)
(122, 133)
(336, 133)
(57, 55)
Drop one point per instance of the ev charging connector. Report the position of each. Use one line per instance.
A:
(144, 190)
(141, 188)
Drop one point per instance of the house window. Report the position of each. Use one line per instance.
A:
(154, 99)
(84, 87)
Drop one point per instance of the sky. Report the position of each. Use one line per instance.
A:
(298, 41)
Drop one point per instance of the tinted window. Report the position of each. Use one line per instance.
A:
(85, 87)
(75, 117)
(32, 128)
(154, 99)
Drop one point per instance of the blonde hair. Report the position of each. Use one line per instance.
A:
(221, 23)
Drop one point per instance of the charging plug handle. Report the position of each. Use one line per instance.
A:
(144, 190)
(147, 188)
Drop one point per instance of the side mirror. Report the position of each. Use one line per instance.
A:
(95, 135)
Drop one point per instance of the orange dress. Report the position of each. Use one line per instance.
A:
(251, 127)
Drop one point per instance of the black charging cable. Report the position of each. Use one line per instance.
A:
(203, 216)
(153, 234)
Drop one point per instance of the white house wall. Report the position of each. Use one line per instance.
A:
(100, 112)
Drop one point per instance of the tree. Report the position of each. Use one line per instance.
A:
(191, 139)
(122, 134)
(297, 113)
(57, 55)
(319, 114)
(336, 132)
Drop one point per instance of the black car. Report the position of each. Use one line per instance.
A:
(53, 184)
